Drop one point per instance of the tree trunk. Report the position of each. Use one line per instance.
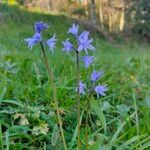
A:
(92, 11)
(100, 9)
(122, 18)
(110, 21)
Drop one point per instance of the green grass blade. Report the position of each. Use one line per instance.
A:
(146, 145)
(1, 138)
(75, 134)
(136, 113)
(120, 128)
(55, 135)
(12, 102)
(130, 141)
(98, 144)
(2, 94)
(114, 138)
(99, 113)
(7, 140)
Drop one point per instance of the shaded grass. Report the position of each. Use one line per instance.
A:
(23, 79)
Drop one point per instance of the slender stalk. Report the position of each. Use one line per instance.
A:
(1, 137)
(78, 101)
(51, 76)
(87, 106)
(86, 124)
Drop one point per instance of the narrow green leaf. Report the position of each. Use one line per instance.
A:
(12, 102)
(2, 94)
(136, 113)
(120, 128)
(130, 141)
(7, 140)
(98, 143)
(1, 137)
(55, 135)
(75, 134)
(99, 113)
(146, 145)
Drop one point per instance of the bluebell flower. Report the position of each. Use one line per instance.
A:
(84, 43)
(82, 87)
(88, 60)
(100, 90)
(40, 26)
(74, 29)
(51, 42)
(68, 46)
(96, 75)
(33, 40)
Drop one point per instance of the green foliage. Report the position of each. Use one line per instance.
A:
(79, 12)
(27, 116)
(142, 18)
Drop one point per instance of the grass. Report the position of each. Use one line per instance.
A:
(118, 121)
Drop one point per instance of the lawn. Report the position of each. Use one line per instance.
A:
(118, 121)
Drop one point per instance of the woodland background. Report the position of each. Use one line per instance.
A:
(120, 17)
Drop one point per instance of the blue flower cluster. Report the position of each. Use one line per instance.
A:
(99, 89)
(37, 37)
(84, 44)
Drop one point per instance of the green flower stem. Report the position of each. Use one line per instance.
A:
(86, 123)
(87, 107)
(51, 76)
(1, 137)
(78, 102)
